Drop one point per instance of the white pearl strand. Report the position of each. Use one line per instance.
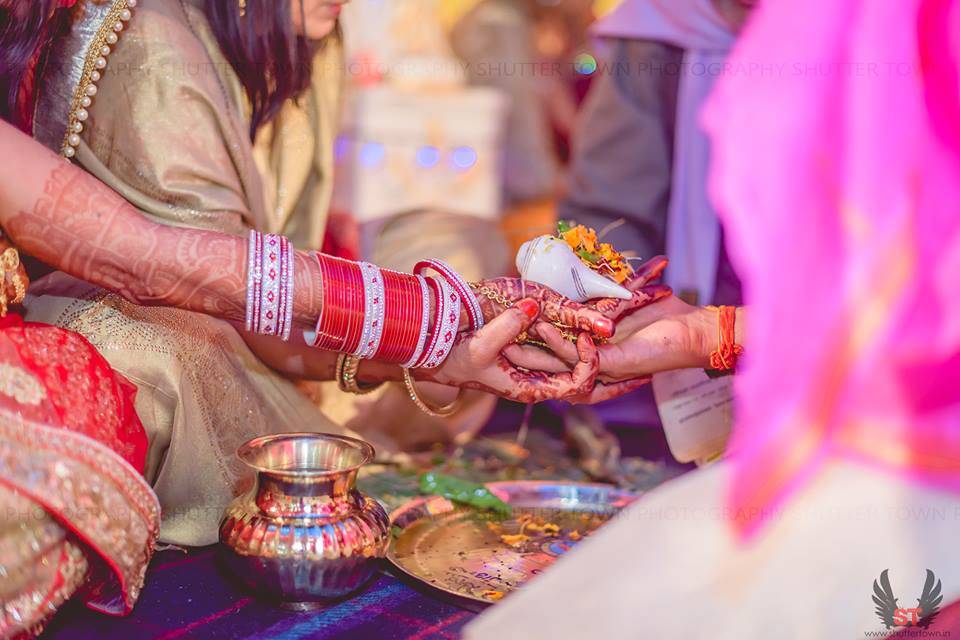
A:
(87, 88)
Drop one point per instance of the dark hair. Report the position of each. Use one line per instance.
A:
(25, 28)
(272, 61)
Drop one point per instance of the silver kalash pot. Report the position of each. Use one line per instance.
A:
(304, 534)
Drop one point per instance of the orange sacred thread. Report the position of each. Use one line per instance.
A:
(728, 351)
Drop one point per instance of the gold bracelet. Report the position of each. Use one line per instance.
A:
(569, 333)
(492, 294)
(438, 412)
(20, 288)
(9, 263)
(346, 374)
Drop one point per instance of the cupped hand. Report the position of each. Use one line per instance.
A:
(664, 336)
(497, 295)
(598, 317)
(476, 362)
(641, 284)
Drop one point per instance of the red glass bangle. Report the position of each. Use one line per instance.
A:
(341, 316)
(435, 323)
(393, 317)
(352, 282)
(402, 316)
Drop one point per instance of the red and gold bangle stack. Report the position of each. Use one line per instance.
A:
(369, 312)
(728, 351)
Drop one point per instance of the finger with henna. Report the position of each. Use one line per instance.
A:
(535, 359)
(608, 391)
(649, 271)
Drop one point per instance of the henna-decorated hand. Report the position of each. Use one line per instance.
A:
(497, 295)
(664, 336)
(644, 291)
(477, 363)
(599, 317)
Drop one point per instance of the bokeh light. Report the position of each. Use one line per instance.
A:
(603, 7)
(372, 154)
(585, 64)
(341, 147)
(428, 157)
(464, 157)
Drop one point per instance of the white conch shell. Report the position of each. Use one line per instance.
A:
(551, 262)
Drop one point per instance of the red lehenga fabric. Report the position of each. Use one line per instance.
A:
(76, 516)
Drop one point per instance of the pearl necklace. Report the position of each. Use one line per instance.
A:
(95, 63)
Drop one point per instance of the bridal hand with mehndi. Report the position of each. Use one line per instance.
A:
(152, 264)
(655, 332)
(598, 317)
(623, 313)
(665, 336)
(478, 362)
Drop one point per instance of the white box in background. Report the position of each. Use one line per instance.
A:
(402, 150)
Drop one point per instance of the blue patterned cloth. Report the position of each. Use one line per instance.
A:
(190, 596)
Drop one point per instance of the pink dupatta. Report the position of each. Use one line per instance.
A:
(838, 181)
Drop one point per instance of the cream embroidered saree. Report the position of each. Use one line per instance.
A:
(167, 130)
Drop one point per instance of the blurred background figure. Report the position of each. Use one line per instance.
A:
(496, 40)
(640, 157)
(536, 52)
(638, 174)
(471, 126)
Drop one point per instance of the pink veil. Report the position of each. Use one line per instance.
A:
(837, 177)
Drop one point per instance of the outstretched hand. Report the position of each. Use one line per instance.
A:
(498, 295)
(664, 336)
(599, 317)
(477, 362)
(642, 287)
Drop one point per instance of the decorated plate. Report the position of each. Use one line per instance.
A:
(483, 557)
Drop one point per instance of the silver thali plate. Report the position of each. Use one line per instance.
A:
(475, 555)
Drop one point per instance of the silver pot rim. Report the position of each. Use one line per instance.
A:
(249, 451)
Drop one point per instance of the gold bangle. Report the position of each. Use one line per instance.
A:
(9, 263)
(346, 374)
(19, 287)
(438, 412)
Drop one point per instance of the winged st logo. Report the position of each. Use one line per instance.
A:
(893, 615)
